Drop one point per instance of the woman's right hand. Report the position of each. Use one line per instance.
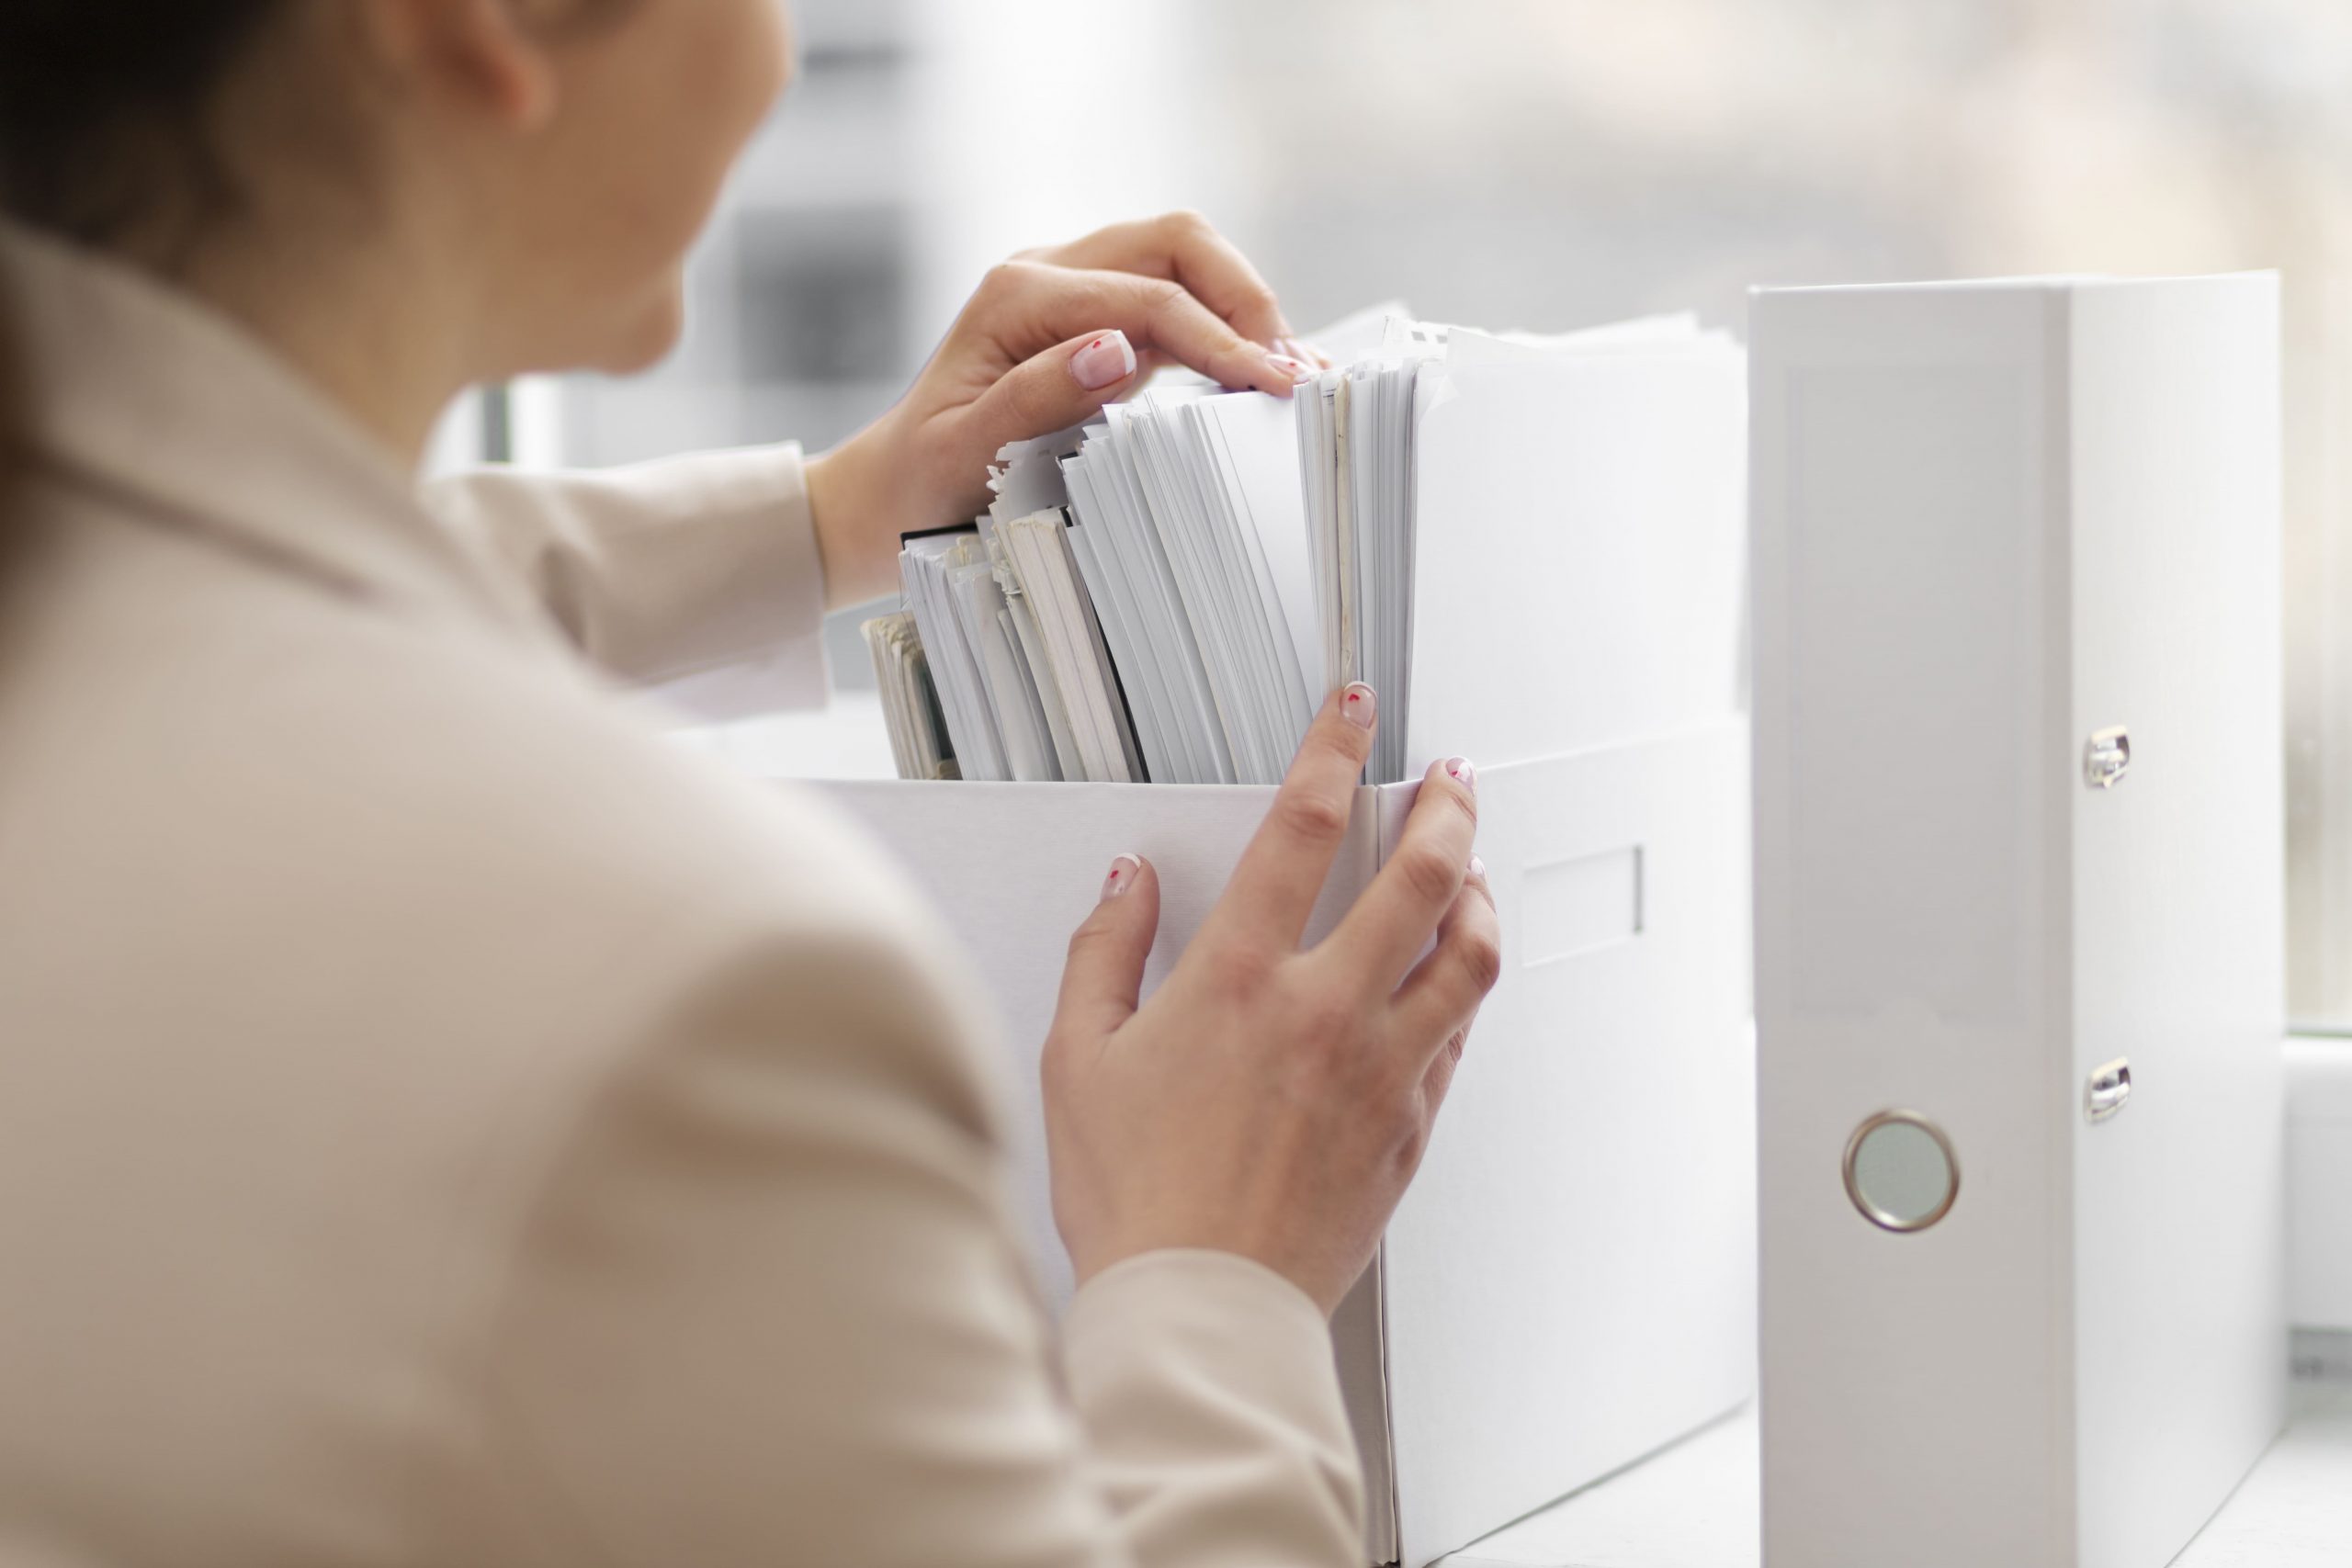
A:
(1270, 1100)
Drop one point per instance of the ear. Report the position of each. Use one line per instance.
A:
(485, 55)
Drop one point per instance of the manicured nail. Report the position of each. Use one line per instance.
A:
(1105, 362)
(1294, 369)
(1359, 705)
(1299, 348)
(1462, 771)
(1123, 872)
(1478, 868)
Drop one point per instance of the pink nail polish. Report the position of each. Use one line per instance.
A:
(1105, 361)
(1478, 868)
(1297, 370)
(1360, 707)
(1123, 872)
(1462, 771)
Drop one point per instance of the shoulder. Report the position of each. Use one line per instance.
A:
(682, 897)
(348, 786)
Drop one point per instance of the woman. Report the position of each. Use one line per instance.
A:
(441, 1122)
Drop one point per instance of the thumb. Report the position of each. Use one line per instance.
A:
(1066, 385)
(1103, 978)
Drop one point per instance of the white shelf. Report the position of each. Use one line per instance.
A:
(1695, 1505)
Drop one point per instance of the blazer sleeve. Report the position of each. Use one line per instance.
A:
(772, 1310)
(697, 574)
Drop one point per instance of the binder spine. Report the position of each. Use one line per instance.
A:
(2019, 927)
(1911, 943)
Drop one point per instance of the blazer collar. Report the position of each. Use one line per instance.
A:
(145, 395)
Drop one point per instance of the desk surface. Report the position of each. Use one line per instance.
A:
(1695, 1505)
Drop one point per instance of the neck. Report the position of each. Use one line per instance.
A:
(377, 330)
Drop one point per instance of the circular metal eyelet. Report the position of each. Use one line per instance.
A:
(1901, 1172)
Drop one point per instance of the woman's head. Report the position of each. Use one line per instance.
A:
(543, 163)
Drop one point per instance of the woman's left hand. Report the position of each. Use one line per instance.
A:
(1049, 337)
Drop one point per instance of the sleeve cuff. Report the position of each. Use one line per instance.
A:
(1181, 1358)
(762, 647)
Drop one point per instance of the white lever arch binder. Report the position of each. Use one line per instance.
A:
(2018, 916)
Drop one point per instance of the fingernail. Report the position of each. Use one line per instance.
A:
(1299, 348)
(1359, 705)
(1462, 771)
(1105, 362)
(1123, 872)
(1478, 868)
(1296, 369)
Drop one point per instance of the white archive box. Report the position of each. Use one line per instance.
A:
(1570, 1284)
(2019, 973)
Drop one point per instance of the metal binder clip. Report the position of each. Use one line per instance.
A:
(2106, 757)
(2108, 1090)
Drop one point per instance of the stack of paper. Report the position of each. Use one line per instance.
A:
(1188, 509)
(1169, 594)
(1355, 453)
(1023, 684)
(1077, 685)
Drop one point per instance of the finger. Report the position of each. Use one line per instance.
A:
(1103, 978)
(1442, 995)
(1186, 248)
(1281, 872)
(1066, 385)
(1173, 321)
(1221, 277)
(1299, 348)
(1030, 306)
(1393, 920)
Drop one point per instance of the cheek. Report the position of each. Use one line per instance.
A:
(656, 126)
(727, 74)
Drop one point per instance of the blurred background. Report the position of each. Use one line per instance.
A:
(1539, 164)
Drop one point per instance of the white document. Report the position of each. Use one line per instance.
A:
(1127, 537)
(1620, 480)
(1007, 683)
(924, 565)
(1252, 442)
(1135, 631)
(1442, 476)
(1072, 649)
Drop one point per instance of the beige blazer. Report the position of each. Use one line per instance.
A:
(443, 1123)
